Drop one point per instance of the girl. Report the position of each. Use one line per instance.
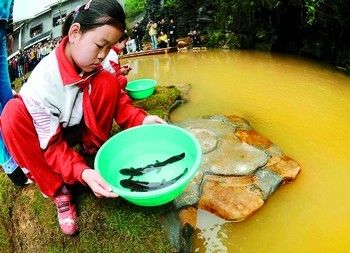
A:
(112, 63)
(69, 95)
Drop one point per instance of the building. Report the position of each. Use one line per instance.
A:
(43, 26)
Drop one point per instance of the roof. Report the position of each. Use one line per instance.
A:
(47, 9)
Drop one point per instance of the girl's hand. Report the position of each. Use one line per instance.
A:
(125, 69)
(96, 183)
(153, 119)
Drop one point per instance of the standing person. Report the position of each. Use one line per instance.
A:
(172, 33)
(69, 95)
(163, 26)
(25, 62)
(10, 167)
(196, 39)
(32, 58)
(20, 63)
(137, 33)
(152, 31)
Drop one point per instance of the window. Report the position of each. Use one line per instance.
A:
(59, 19)
(36, 30)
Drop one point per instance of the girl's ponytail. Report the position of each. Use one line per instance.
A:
(67, 23)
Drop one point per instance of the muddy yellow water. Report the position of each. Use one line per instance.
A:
(300, 105)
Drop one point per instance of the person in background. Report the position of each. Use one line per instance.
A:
(70, 97)
(152, 31)
(13, 68)
(137, 33)
(172, 33)
(196, 40)
(130, 45)
(32, 59)
(163, 26)
(7, 162)
(25, 62)
(112, 64)
(20, 63)
(162, 40)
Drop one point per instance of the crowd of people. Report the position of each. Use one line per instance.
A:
(161, 34)
(26, 60)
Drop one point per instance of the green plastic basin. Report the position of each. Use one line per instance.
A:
(141, 88)
(143, 145)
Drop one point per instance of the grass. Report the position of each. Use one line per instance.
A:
(17, 83)
(29, 223)
(160, 102)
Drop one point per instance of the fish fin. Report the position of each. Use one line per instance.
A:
(126, 171)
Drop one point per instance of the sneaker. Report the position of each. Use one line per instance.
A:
(66, 212)
(28, 175)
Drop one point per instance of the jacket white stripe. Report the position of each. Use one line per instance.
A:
(49, 102)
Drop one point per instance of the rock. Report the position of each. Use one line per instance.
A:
(240, 168)
(182, 44)
(285, 167)
(206, 138)
(184, 90)
(191, 194)
(231, 156)
(268, 181)
(172, 225)
(238, 122)
(188, 215)
(231, 198)
(253, 138)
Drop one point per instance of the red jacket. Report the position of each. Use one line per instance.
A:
(56, 96)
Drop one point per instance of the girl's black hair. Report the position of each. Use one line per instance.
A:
(96, 13)
(124, 36)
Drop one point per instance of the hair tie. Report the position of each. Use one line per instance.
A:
(77, 9)
(87, 5)
(76, 12)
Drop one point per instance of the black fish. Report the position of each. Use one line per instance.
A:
(157, 165)
(144, 186)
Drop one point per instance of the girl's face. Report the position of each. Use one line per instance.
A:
(121, 45)
(87, 50)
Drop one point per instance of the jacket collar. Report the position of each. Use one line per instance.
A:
(67, 70)
(116, 49)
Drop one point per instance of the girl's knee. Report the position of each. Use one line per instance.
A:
(11, 114)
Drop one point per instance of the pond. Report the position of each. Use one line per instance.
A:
(300, 105)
